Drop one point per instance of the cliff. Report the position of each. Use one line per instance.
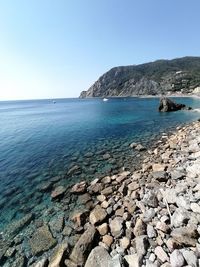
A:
(159, 77)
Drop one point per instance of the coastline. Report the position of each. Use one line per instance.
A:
(140, 217)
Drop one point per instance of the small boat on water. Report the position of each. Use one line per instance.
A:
(54, 102)
(105, 99)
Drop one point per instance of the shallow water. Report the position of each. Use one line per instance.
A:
(40, 140)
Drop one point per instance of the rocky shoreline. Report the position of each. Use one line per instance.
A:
(149, 217)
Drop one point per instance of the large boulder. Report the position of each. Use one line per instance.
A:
(83, 246)
(167, 105)
(98, 257)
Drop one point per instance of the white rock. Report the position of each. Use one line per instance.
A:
(177, 259)
(132, 260)
(190, 257)
(195, 207)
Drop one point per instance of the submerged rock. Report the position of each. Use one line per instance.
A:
(41, 240)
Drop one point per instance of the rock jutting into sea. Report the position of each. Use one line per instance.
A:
(167, 105)
(148, 217)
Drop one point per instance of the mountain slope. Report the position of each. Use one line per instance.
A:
(159, 77)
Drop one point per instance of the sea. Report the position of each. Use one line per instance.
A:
(69, 140)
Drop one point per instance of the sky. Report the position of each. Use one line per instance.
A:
(57, 48)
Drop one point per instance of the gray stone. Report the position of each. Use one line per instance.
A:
(98, 257)
(42, 240)
(116, 226)
(15, 227)
(161, 176)
(181, 216)
(195, 207)
(150, 199)
(148, 215)
(190, 257)
(175, 174)
(142, 244)
(177, 259)
(150, 231)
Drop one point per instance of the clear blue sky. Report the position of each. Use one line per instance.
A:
(57, 48)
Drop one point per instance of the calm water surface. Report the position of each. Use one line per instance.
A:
(40, 140)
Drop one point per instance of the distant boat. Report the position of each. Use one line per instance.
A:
(105, 99)
(54, 102)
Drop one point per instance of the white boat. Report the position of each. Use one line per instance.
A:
(105, 99)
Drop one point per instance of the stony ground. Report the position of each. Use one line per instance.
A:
(150, 217)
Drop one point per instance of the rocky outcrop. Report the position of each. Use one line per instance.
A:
(159, 77)
(167, 105)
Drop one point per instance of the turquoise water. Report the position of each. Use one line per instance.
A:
(40, 140)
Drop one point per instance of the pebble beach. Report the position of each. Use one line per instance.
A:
(148, 217)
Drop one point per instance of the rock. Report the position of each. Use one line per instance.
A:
(95, 188)
(194, 169)
(84, 198)
(140, 228)
(151, 233)
(176, 175)
(15, 227)
(104, 204)
(58, 192)
(19, 262)
(141, 245)
(170, 195)
(116, 261)
(108, 240)
(190, 257)
(150, 199)
(74, 169)
(103, 229)
(83, 247)
(148, 215)
(161, 176)
(116, 226)
(183, 202)
(59, 254)
(167, 105)
(133, 145)
(125, 242)
(79, 187)
(133, 186)
(157, 167)
(162, 226)
(41, 240)
(79, 217)
(132, 260)
(195, 207)
(161, 254)
(107, 191)
(139, 147)
(177, 259)
(106, 180)
(42, 263)
(185, 236)
(98, 257)
(69, 263)
(56, 224)
(97, 215)
(181, 216)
